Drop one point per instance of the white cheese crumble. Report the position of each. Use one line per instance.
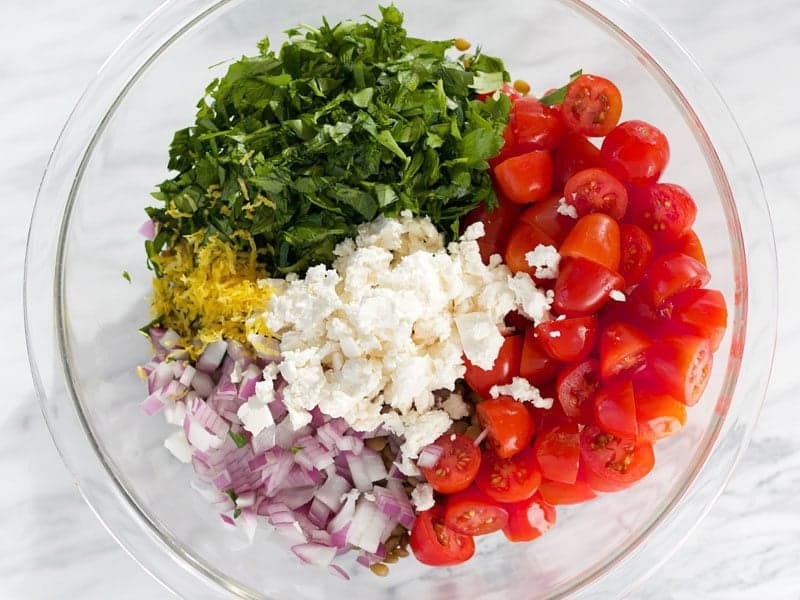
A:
(422, 496)
(455, 407)
(555, 334)
(520, 389)
(617, 296)
(255, 414)
(545, 259)
(566, 209)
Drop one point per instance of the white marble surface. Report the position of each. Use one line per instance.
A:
(51, 546)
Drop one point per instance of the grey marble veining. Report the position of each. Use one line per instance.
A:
(51, 546)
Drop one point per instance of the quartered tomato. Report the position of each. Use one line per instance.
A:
(622, 348)
(510, 426)
(509, 479)
(524, 238)
(536, 365)
(665, 211)
(527, 177)
(434, 543)
(697, 312)
(497, 225)
(583, 286)
(595, 237)
(529, 519)
(558, 452)
(673, 273)
(568, 340)
(506, 367)
(557, 492)
(544, 216)
(635, 152)
(574, 154)
(615, 409)
(689, 244)
(471, 512)
(457, 466)
(576, 386)
(636, 252)
(596, 190)
(613, 463)
(658, 416)
(592, 106)
(678, 366)
(534, 125)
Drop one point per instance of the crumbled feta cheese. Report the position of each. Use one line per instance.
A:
(537, 518)
(568, 210)
(617, 296)
(255, 416)
(520, 389)
(545, 259)
(532, 302)
(455, 406)
(422, 496)
(236, 372)
(555, 334)
(179, 446)
(480, 338)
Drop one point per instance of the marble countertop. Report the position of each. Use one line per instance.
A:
(51, 546)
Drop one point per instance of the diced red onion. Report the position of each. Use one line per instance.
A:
(332, 491)
(295, 497)
(315, 554)
(187, 375)
(212, 356)
(367, 526)
(292, 532)
(429, 456)
(373, 464)
(170, 339)
(481, 436)
(203, 384)
(148, 230)
(227, 519)
(265, 439)
(337, 570)
(319, 514)
(248, 521)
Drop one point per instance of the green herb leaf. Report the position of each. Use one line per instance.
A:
(558, 96)
(238, 439)
(126, 276)
(296, 449)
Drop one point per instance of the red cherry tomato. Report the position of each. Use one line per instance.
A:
(658, 416)
(576, 387)
(689, 244)
(544, 216)
(574, 154)
(457, 466)
(613, 463)
(596, 190)
(509, 479)
(506, 367)
(583, 286)
(529, 519)
(595, 237)
(636, 310)
(673, 273)
(536, 365)
(535, 126)
(558, 452)
(497, 224)
(665, 211)
(622, 348)
(527, 177)
(568, 340)
(509, 424)
(508, 149)
(636, 252)
(678, 366)
(635, 152)
(518, 322)
(615, 409)
(557, 492)
(471, 512)
(592, 106)
(524, 238)
(434, 543)
(697, 312)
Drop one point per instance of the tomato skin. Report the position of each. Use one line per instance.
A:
(568, 340)
(527, 177)
(471, 512)
(510, 426)
(635, 152)
(576, 386)
(613, 463)
(592, 106)
(665, 212)
(509, 479)
(658, 416)
(506, 367)
(622, 348)
(497, 225)
(523, 239)
(574, 154)
(678, 366)
(536, 365)
(535, 126)
(636, 252)
(595, 237)
(615, 409)
(672, 273)
(583, 286)
(558, 493)
(435, 544)
(545, 217)
(558, 452)
(596, 190)
(690, 245)
(529, 519)
(698, 312)
(458, 465)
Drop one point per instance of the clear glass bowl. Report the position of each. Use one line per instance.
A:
(82, 316)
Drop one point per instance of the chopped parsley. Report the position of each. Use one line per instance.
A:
(126, 276)
(238, 439)
(558, 96)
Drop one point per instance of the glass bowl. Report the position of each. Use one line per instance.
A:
(82, 316)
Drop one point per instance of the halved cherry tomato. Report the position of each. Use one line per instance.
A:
(673, 273)
(497, 225)
(509, 479)
(506, 367)
(434, 543)
(583, 287)
(519, 322)
(471, 512)
(558, 452)
(697, 312)
(529, 519)
(596, 190)
(596, 237)
(524, 238)
(613, 463)
(689, 244)
(615, 409)
(527, 177)
(457, 466)
(568, 340)
(576, 387)
(534, 125)
(678, 366)
(636, 252)
(510, 425)
(665, 211)
(636, 310)
(635, 152)
(592, 106)
(536, 365)
(544, 215)
(622, 348)
(557, 492)
(658, 416)
(508, 150)
(574, 154)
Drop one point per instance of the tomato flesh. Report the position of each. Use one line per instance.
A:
(615, 409)
(636, 252)
(689, 244)
(509, 479)
(658, 416)
(558, 452)
(665, 211)
(596, 190)
(497, 225)
(568, 340)
(635, 152)
(558, 493)
(457, 466)
(576, 387)
(506, 367)
(583, 286)
(545, 217)
(698, 312)
(536, 365)
(673, 273)
(434, 543)
(535, 126)
(527, 177)
(678, 366)
(529, 519)
(613, 463)
(471, 512)
(594, 237)
(622, 348)
(509, 424)
(592, 106)
(524, 238)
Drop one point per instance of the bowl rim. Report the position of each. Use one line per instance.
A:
(104, 492)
